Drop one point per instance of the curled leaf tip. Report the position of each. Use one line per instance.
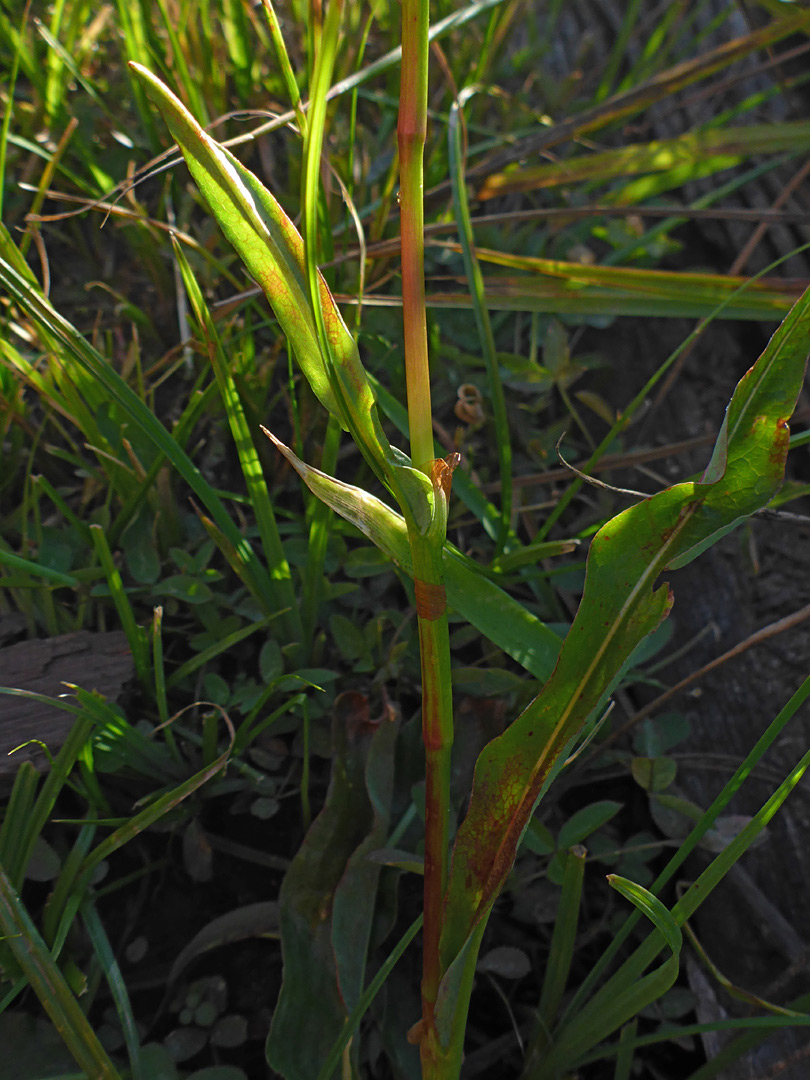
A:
(441, 472)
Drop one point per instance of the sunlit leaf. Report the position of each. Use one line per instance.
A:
(713, 149)
(621, 604)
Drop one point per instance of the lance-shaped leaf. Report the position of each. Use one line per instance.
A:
(322, 979)
(273, 251)
(355, 895)
(619, 607)
(482, 602)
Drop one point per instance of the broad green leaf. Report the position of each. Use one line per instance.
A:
(586, 821)
(311, 1009)
(331, 1063)
(259, 919)
(485, 605)
(621, 604)
(355, 896)
(653, 773)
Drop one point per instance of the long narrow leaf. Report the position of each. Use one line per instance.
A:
(273, 251)
(566, 288)
(572, 1050)
(658, 88)
(313, 1004)
(721, 148)
(620, 606)
(475, 278)
(608, 1011)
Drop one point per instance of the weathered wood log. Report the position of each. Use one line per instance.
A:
(93, 661)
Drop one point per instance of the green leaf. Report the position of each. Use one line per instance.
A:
(652, 907)
(49, 984)
(34, 1045)
(140, 551)
(492, 611)
(271, 662)
(557, 287)
(608, 1010)
(355, 897)
(712, 149)
(586, 821)
(653, 773)
(656, 735)
(273, 252)
(272, 590)
(538, 838)
(348, 637)
(621, 604)
(324, 883)
(240, 429)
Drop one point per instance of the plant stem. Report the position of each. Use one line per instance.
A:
(437, 735)
(411, 131)
(426, 543)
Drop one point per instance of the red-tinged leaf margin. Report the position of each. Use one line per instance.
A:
(619, 608)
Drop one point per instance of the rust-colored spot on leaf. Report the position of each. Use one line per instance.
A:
(780, 443)
(431, 600)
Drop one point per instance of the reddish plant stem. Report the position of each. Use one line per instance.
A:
(411, 131)
(426, 542)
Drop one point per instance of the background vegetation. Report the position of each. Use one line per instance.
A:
(138, 503)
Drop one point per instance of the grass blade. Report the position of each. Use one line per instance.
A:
(564, 288)
(612, 1008)
(693, 154)
(475, 278)
(50, 986)
(272, 595)
(136, 636)
(245, 448)
(112, 973)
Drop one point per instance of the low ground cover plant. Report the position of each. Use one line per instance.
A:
(256, 571)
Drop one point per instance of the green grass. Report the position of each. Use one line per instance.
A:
(273, 708)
